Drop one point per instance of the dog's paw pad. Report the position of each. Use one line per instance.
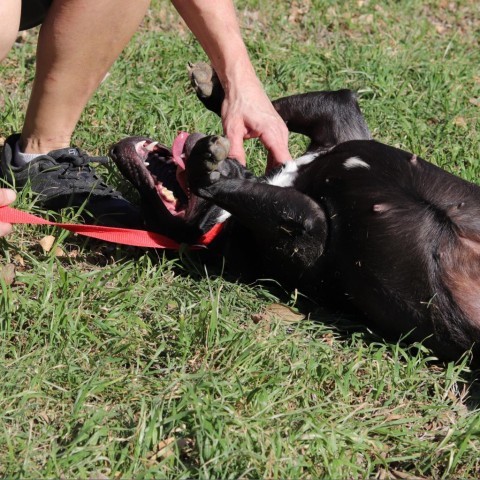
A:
(215, 176)
(203, 79)
(205, 159)
(217, 149)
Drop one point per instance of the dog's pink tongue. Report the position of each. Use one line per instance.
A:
(177, 154)
(177, 149)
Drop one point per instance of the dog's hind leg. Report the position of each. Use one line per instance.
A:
(327, 117)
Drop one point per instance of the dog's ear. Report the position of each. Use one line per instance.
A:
(327, 118)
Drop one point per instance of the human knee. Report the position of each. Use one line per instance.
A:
(9, 25)
(6, 42)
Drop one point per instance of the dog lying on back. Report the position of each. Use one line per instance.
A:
(351, 220)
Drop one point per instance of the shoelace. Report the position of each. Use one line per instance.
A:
(81, 160)
(79, 165)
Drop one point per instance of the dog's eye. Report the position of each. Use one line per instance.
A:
(208, 155)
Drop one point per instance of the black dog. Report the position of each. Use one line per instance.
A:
(351, 219)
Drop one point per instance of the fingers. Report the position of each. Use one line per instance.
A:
(5, 229)
(236, 147)
(235, 130)
(248, 113)
(272, 132)
(277, 157)
(7, 196)
(276, 142)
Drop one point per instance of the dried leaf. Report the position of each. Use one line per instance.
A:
(259, 317)
(59, 252)
(460, 121)
(44, 417)
(401, 475)
(392, 417)
(382, 474)
(475, 101)
(440, 29)
(7, 273)
(298, 11)
(328, 338)
(166, 448)
(19, 259)
(47, 243)
(283, 313)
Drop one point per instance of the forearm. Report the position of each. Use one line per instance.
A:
(215, 25)
(246, 110)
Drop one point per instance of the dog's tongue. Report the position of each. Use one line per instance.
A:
(178, 158)
(177, 149)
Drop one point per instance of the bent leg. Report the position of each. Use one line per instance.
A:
(79, 40)
(327, 118)
(9, 24)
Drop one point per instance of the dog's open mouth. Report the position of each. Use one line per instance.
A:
(153, 167)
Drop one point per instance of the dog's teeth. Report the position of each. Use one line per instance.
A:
(168, 194)
(146, 164)
(151, 146)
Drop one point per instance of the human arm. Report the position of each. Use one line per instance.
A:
(246, 110)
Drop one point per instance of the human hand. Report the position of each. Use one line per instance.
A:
(246, 110)
(248, 113)
(7, 196)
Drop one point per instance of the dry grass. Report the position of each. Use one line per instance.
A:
(120, 363)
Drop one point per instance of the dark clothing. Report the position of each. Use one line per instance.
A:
(33, 13)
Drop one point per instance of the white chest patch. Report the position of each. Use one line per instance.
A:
(355, 162)
(306, 159)
(224, 216)
(287, 175)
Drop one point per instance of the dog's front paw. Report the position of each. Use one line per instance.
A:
(203, 78)
(205, 162)
(207, 86)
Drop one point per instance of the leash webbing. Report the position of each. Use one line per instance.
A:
(123, 236)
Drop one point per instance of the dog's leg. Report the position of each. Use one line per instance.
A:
(207, 86)
(288, 225)
(327, 118)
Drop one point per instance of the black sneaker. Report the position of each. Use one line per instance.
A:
(64, 178)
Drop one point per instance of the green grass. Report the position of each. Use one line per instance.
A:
(121, 363)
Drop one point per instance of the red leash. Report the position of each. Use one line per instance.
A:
(123, 236)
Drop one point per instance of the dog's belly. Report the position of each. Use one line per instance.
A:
(398, 229)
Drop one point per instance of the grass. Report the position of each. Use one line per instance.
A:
(119, 363)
